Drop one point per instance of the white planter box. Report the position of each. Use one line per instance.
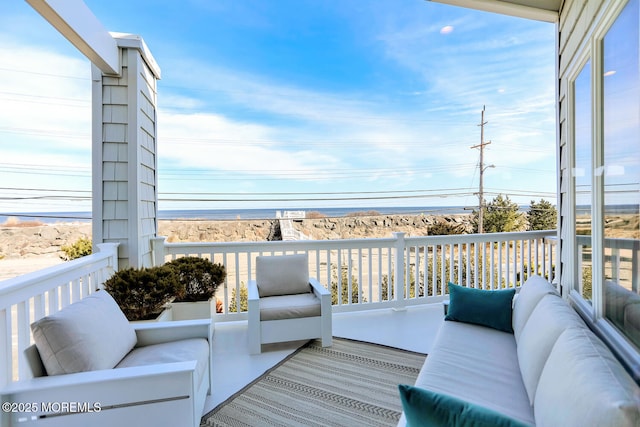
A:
(165, 316)
(193, 310)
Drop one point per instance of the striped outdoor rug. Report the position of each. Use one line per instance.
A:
(349, 384)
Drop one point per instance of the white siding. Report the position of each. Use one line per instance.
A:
(125, 163)
(577, 21)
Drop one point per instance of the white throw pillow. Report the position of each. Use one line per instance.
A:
(88, 335)
(282, 275)
(549, 319)
(531, 292)
(582, 384)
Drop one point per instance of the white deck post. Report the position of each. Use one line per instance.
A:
(157, 248)
(399, 271)
(124, 100)
(124, 153)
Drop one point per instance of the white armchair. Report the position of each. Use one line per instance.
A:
(285, 304)
(92, 367)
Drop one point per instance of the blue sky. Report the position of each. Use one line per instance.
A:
(285, 104)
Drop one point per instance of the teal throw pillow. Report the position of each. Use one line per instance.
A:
(426, 408)
(482, 307)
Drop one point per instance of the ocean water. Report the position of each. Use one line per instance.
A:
(230, 214)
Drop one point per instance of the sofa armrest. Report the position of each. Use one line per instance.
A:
(161, 332)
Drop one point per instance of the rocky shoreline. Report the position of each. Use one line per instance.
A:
(24, 240)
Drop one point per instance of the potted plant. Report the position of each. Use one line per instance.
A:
(200, 278)
(143, 294)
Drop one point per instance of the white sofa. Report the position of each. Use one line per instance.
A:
(92, 367)
(551, 371)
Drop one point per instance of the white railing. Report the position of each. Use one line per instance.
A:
(362, 273)
(388, 272)
(621, 261)
(27, 298)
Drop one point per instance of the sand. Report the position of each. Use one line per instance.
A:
(27, 247)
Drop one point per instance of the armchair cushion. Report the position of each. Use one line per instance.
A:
(175, 351)
(88, 335)
(289, 306)
(282, 275)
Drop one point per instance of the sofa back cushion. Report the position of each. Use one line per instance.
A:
(583, 384)
(551, 316)
(531, 292)
(282, 275)
(88, 335)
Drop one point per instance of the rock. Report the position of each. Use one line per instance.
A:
(43, 240)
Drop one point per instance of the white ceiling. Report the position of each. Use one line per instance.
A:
(541, 10)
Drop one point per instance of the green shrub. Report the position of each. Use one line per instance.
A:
(356, 296)
(82, 247)
(143, 293)
(199, 277)
(412, 286)
(444, 228)
(244, 300)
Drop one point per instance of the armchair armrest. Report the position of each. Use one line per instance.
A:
(323, 294)
(252, 290)
(253, 307)
(161, 332)
(318, 289)
(110, 389)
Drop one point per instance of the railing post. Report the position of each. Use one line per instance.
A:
(111, 249)
(157, 250)
(6, 371)
(399, 270)
(635, 267)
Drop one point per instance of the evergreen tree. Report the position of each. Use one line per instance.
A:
(542, 215)
(501, 215)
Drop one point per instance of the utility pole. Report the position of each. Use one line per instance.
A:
(482, 169)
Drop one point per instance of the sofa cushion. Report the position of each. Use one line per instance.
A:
(478, 365)
(481, 307)
(531, 292)
(426, 408)
(88, 335)
(175, 351)
(582, 384)
(282, 275)
(550, 317)
(290, 306)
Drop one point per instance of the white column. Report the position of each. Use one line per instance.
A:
(124, 154)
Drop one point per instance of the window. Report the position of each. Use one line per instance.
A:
(582, 173)
(621, 172)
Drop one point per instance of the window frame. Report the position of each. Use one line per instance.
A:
(592, 49)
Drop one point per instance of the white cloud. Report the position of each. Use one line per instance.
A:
(45, 99)
(215, 142)
(231, 123)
